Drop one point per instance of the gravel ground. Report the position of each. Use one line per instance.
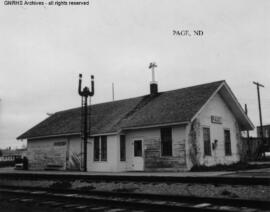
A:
(203, 190)
(256, 192)
(7, 206)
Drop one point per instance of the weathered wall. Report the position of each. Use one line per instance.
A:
(74, 153)
(68, 155)
(44, 153)
(153, 161)
(111, 165)
(251, 148)
(216, 107)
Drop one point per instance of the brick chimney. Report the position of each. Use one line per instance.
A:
(153, 83)
(153, 89)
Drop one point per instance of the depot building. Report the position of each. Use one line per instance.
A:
(161, 131)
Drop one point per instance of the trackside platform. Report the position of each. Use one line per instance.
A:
(248, 177)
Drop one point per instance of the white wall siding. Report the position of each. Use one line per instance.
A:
(188, 147)
(147, 135)
(217, 107)
(44, 153)
(153, 161)
(75, 153)
(111, 165)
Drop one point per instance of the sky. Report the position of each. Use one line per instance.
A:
(44, 48)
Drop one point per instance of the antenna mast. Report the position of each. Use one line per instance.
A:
(113, 91)
(152, 66)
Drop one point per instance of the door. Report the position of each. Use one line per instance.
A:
(138, 162)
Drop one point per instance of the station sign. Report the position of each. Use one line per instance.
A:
(216, 119)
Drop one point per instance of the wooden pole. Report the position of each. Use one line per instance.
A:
(113, 91)
(246, 111)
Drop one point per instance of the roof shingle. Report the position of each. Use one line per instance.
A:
(167, 107)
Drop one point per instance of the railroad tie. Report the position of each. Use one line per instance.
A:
(82, 207)
(99, 208)
(55, 204)
(70, 206)
(202, 205)
(26, 200)
(116, 210)
(14, 199)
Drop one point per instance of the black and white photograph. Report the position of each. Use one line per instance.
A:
(134, 105)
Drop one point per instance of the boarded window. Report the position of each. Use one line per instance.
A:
(227, 135)
(122, 148)
(166, 141)
(103, 148)
(138, 148)
(206, 141)
(96, 148)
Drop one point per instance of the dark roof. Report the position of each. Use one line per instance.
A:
(167, 107)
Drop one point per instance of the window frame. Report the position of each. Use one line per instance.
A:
(168, 139)
(206, 152)
(103, 148)
(141, 150)
(227, 153)
(100, 148)
(122, 143)
(96, 148)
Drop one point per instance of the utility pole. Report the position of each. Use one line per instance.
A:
(260, 110)
(248, 138)
(85, 93)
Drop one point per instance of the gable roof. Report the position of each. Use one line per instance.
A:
(176, 106)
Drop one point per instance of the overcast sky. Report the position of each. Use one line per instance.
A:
(43, 49)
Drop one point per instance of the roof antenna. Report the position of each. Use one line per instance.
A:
(152, 66)
(113, 91)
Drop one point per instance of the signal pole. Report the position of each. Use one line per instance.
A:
(85, 93)
(260, 110)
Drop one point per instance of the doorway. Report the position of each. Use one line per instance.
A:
(138, 162)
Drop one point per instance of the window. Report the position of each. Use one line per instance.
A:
(227, 135)
(166, 141)
(100, 148)
(206, 141)
(138, 148)
(267, 133)
(122, 148)
(96, 148)
(103, 148)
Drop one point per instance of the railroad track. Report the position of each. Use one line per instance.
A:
(114, 201)
(225, 180)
